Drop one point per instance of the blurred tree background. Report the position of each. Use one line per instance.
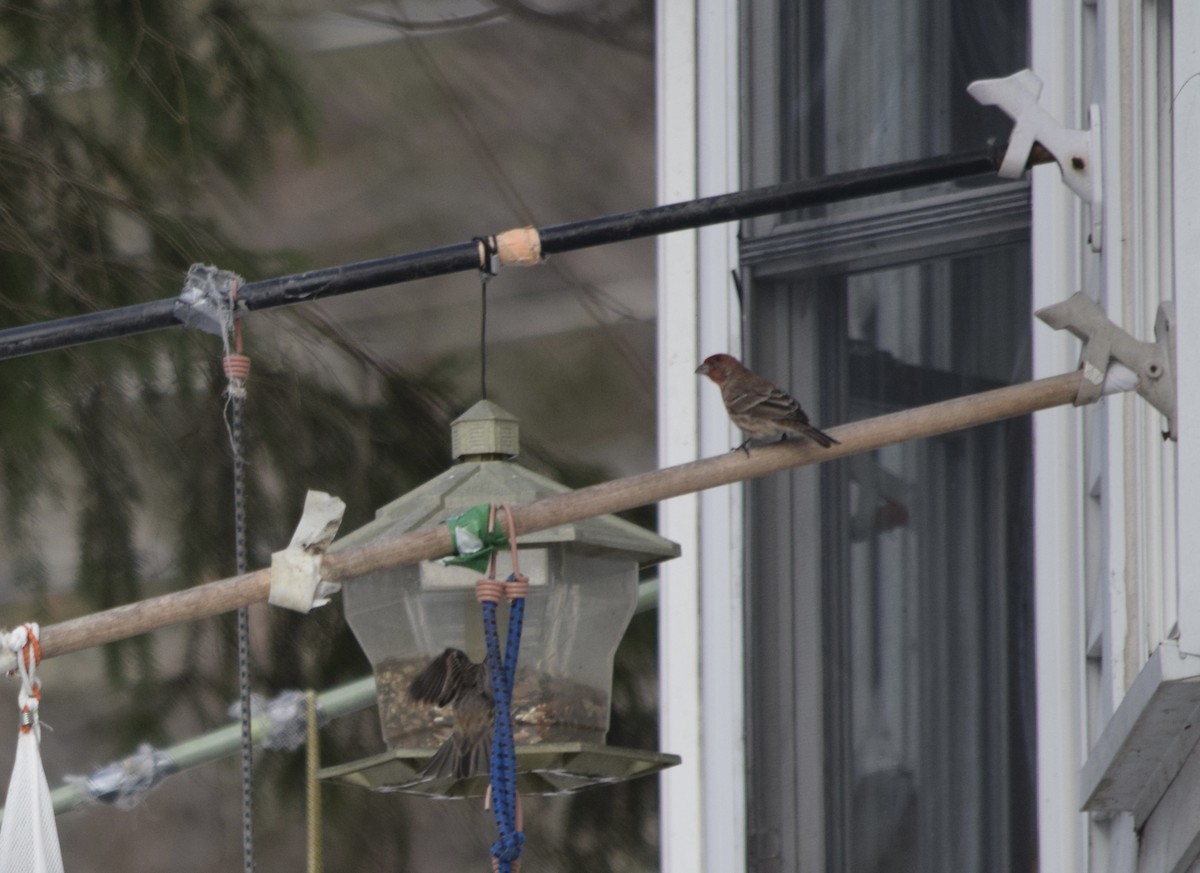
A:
(118, 120)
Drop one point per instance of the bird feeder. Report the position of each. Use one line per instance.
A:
(583, 592)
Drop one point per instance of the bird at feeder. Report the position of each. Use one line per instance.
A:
(583, 591)
(757, 406)
(453, 679)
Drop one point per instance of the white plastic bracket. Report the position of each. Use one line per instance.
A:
(1076, 151)
(296, 571)
(1152, 364)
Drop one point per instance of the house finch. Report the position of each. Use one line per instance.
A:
(757, 406)
(452, 678)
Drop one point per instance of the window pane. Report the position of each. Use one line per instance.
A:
(867, 83)
(897, 583)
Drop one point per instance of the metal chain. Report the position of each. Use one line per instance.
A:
(237, 432)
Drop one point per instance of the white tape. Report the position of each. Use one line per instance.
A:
(296, 571)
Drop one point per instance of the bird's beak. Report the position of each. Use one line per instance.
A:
(703, 369)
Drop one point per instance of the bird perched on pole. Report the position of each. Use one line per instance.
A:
(453, 679)
(757, 406)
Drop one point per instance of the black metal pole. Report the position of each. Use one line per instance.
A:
(765, 201)
(555, 239)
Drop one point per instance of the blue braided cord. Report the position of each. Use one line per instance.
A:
(508, 848)
(516, 620)
(500, 695)
(503, 758)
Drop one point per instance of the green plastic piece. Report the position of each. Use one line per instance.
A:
(473, 542)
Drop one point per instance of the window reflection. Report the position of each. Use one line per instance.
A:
(868, 82)
(888, 637)
(918, 564)
(935, 623)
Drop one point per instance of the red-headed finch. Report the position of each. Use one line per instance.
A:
(757, 406)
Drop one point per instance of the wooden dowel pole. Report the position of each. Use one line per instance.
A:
(855, 438)
(121, 622)
(345, 564)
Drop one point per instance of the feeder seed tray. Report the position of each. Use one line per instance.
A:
(546, 768)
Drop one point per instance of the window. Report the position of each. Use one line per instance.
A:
(903, 717)
(888, 597)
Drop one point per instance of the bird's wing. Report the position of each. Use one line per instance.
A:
(477, 677)
(765, 402)
(439, 682)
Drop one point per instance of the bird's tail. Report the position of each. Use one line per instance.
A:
(460, 757)
(818, 436)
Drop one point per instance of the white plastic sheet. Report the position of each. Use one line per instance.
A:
(29, 835)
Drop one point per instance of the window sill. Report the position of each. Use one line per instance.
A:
(1148, 738)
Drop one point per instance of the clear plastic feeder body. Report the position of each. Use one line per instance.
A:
(578, 608)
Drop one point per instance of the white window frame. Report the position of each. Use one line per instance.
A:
(1117, 510)
(702, 807)
(1186, 220)
(1062, 828)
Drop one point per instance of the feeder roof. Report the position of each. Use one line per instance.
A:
(482, 438)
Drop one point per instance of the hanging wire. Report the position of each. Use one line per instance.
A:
(483, 283)
(488, 265)
(237, 369)
(243, 641)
